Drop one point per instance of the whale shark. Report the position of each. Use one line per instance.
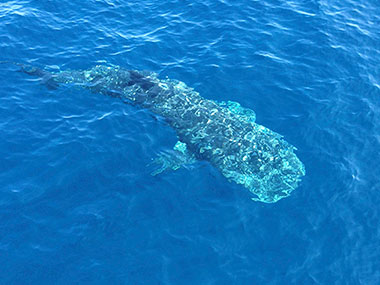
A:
(225, 134)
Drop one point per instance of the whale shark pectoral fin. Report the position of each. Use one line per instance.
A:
(174, 159)
(246, 114)
(49, 82)
(181, 147)
(164, 162)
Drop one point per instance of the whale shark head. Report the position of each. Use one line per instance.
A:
(263, 163)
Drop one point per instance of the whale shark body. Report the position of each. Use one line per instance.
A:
(223, 133)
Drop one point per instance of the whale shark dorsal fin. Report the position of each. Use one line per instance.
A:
(148, 73)
(246, 114)
(174, 159)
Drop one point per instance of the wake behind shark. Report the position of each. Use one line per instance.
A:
(222, 133)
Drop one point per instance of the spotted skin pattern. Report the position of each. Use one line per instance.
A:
(222, 133)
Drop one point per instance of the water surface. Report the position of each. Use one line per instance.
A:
(78, 203)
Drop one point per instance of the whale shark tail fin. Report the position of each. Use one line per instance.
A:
(47, 78)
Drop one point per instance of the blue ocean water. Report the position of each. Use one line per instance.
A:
(77, 202)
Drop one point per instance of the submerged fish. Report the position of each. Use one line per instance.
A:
(222, 133)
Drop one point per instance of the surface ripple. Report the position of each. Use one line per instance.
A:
(78, 203)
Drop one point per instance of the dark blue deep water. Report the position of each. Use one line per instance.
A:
(77, 202)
